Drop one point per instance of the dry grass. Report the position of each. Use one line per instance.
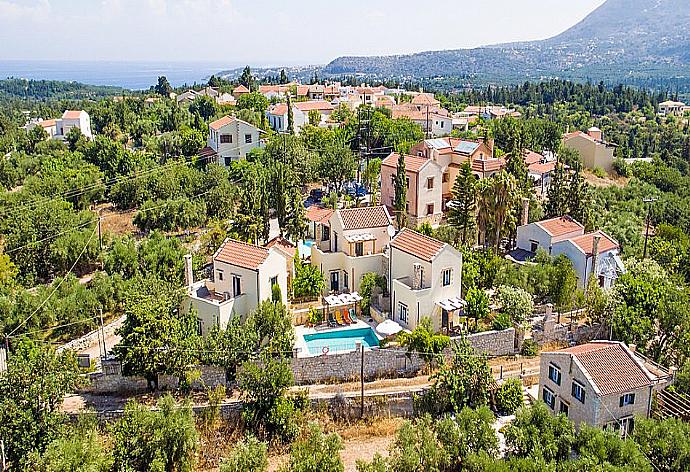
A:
(608, 181)
(118, 223)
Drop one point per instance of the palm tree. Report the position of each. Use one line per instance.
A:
(484, 208)
(504, 190)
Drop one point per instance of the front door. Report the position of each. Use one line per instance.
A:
(444, 319)
(335, 281)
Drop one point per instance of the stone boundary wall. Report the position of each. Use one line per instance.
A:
(333, 368)
(339, 407)
(92, 339)
(347, 366)
(115, 382)
(494, 343)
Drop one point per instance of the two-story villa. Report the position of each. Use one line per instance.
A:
(424, 187)
(351, 243)
(230, 139)
(590, 253)
(425, 281)
(602, 383)
(243, 276)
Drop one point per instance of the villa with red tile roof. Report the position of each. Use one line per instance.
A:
(243, 276)
(425, 281)
(424, 188)
(590, 253)
(349, 243)
(230, 139)
(432, 168)
(604, 384)
(59, 128)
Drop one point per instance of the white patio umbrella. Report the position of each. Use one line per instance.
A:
(388, 328)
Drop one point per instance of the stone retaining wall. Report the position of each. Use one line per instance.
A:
(347, 366)
(92, 339)
(494, 343)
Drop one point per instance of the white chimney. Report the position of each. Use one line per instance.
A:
(188, 271)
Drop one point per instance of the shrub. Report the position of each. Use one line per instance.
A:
(529, 348)
(316, 451)
(509, 396)
(501, 321)
(599, 172)
(370, 281)
(250, 455)
(276, 296)
(515, 302)
(621, 167)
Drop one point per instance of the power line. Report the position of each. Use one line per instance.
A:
(56, 287)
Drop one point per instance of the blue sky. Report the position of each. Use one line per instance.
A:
(263, 32)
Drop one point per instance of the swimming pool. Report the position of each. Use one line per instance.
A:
(340, 340)
(304, 248)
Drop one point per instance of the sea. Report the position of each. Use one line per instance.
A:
(130, 75)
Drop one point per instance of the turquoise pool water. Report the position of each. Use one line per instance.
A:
(304, 247)
(342, 340)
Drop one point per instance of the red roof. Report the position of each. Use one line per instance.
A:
(240, 89)
(302, 90)
(218, 124)
(71, 115)
(207, 152)
(279, 110)
(313, 105)
(283, 245)
(412, 163)
(487, 165)
(586, 242)
(417, 244)
(425, 99)
(317, 214)
(47, 123)
(365, 217)
(545, 168)
(611, 366)
(560, 226)
(241, 254)
(532, 157)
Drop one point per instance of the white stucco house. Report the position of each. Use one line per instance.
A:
(277, 116)
(243, 277)
(425, 281)
(230, 139)
(590, 253)
(604, 384)
(351, 243)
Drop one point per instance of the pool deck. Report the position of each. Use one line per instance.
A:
(301, 331)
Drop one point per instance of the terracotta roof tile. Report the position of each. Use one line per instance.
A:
(611, 366)
(425, 99)
(313, 105)
(218, 124)
(365, 217)
(560, 226)
(282, 245)
(487, 165)
(532, 157)
(586, 242)
(241, 254)
(71, 115)
(47, 123)
(417, 244)
(240, 89)
(280, 109)
(317, 214)
(539, 168)
(412, 163)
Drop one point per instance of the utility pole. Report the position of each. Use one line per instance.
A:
(102, 334)
(649, 202)
(2, 452)
(361, 377)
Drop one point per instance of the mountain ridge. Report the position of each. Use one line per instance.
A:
(621, 38)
